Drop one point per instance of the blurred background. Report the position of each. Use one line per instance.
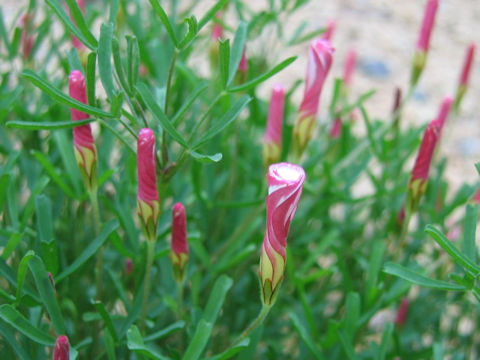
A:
(384, 34)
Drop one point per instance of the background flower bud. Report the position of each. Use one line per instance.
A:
(318, 66)
(147, 197)
(423, 42)
(285, 184)
(272, 146)
(85, 150)
(179, 245)
(62, 349)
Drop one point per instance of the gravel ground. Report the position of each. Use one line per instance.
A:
(384, 34)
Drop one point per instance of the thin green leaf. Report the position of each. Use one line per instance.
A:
(231, 351)
(199, 341)
(450, 248)
(224, 62)
(189, 102)
(416, 278)
(206, 159)
(47, 293)
(104, 59)
(3, 32)
(133, 61)
(74, 61)
(159, 115)
(65, 19)
(224, 121)
(305, 336)
(164, 332)
(60, 96)
(106, 319)
(109, 346)
(191, 32)
(43, 160)
(136, 343)
(347, 346)
(46, 125)
(117, 63)
(237, 50)
(166, 22)
(90, 78)
(22, 272)
(263, 77)
(387, 334)
(211, 13)
(352, 315)
(90, 250)
(7, 335)
(217, 297)
(12, 244)
(19, 322)
(80, 22)
(114, 6)
(469, 230)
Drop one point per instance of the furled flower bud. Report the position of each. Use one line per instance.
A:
(26, 22)
(285, 184)
(243, 65)
(418, 181)
(319, 63)
(179, 245)
(444, 110)
(85, 150)
(350, 62)
(423, 42)
(476, 197)
(62, 349)
(402, 312)
(148, 205)
(272, 146)
(76, 43)
(327, 35)
(336, 130)
(217, 31)
(465, 75)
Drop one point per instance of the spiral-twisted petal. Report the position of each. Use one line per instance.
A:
(444, 111)
(82, 135)
(467, 65)
(179, 229)
(423, 41)
(62, 348)
(275, 115)
(285, 184)
(318, 66)
(425, 153)
(146, 169)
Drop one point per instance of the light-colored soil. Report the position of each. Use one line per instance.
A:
(384, 33)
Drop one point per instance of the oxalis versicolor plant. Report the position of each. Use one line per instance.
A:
(133, 194)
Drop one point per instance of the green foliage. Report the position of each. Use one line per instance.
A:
(66, 252)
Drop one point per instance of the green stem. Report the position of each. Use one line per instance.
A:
(147, 283)
(96, 221)
(255, 324)
(406, 223)
(180, 313)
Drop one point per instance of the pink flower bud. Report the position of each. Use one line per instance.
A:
(272, 147)
(427, 25)
(179, 245)
(419, 178)
(26, 22)
(444, 110)
(319, 63)
(336, 130)
(217, 31)
(147, 197)
(467, 65)
(128, 266)
(243, 65)
(327, 35)
(285, 184)
(85, 150)
(62, 349)
(76, 43)
(402, 312)
(476, 197)
(350, 63)
(465, 75)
